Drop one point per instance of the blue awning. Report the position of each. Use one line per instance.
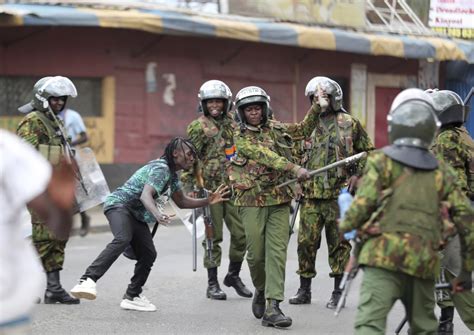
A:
(240, 28)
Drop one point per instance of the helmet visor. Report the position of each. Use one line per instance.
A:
(26, 108)
(59, 86)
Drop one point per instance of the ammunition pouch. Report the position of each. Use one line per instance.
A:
(52, 153)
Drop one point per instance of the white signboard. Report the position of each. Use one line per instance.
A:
(452, 14)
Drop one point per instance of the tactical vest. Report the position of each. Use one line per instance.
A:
(333, 134)
(245, 173)
(54, 149)
(413, 208)
(469, 143)
(220, 149)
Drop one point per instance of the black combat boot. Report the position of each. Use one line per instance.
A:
(213, 289)
(336, 294)
(303, 296)
(232, 279)
(85, 224)
(446, 326)
(258, 304)
(274, 317)
(55, 293)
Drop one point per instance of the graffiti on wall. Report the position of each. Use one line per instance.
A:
(168, 92)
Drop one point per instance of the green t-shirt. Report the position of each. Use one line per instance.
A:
(156, 174)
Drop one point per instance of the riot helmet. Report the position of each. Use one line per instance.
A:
(412, 127)
(252, 95)
(47, 87)
(449, 107)
(329, 86)
(214, 89)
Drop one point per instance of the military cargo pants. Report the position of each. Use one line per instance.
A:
(49, 248)
(267, 230)
(228, 213)
(317, 214)
(463, 302)
(382, 288)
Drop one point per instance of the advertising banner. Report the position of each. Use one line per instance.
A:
(453, 17)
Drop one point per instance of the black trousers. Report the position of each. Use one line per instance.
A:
(127, 230)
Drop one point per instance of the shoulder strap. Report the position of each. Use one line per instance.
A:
(47, 124)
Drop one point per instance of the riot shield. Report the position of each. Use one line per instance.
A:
(91, 188)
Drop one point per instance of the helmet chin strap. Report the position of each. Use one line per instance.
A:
(41, 90)
(43, 100)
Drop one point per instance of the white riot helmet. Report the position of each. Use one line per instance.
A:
(329, 86)
(215, 89)
(252, 95)
(47, 87)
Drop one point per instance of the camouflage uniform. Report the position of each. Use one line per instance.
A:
(213, 139)
(264, 160)
(405, 252)
(39, 129)
(455, 146)
(337, 135)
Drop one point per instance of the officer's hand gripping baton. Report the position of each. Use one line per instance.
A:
(345, 161)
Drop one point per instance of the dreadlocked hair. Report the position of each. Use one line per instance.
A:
(175, 143)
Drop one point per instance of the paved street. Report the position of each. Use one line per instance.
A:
(179, 295)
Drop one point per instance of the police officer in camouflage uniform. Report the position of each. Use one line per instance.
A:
(398, 202)
(264, 160)
(337, 135)
(454, 145)
(41, 128)
(212, 135)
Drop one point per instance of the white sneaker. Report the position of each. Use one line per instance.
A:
(140, 303)
(85, 290)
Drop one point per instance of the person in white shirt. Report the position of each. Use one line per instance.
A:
(76, 129)
(26, 178)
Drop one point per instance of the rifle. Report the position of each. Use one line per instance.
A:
(295, 214)
(69, 152)
(350, 272)
(468, 96)
(346, 161)
(209, 227)
(194, 217)
(344, 201)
